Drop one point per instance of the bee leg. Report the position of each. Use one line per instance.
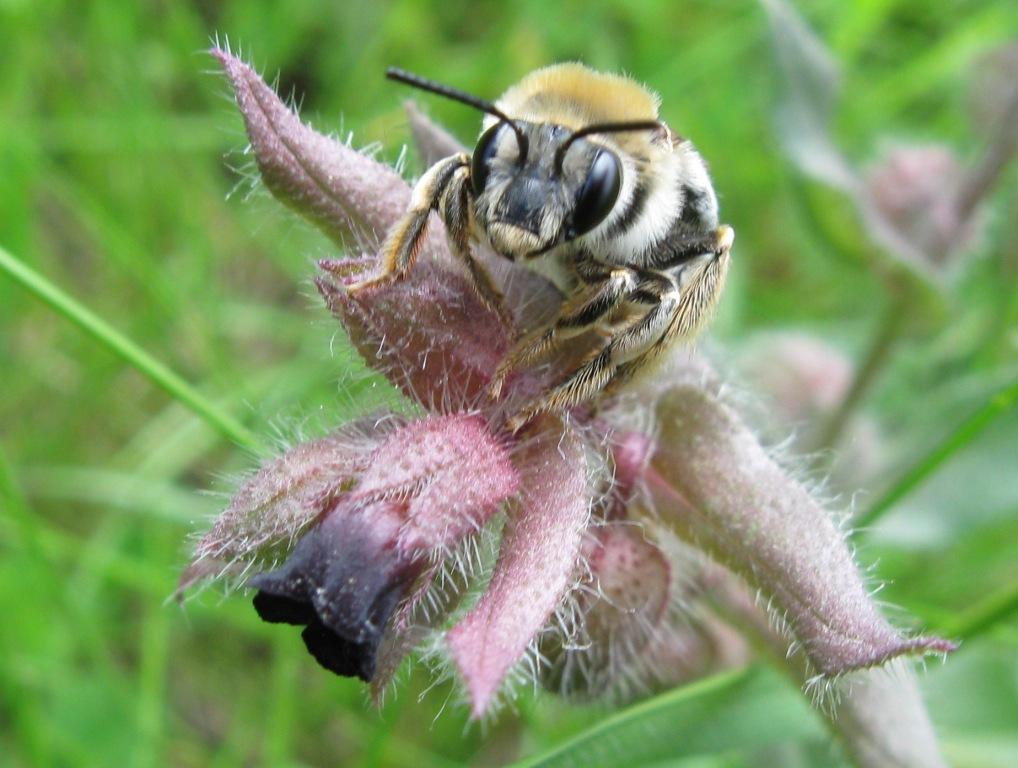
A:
(575, 317)
(403, 243)
(627, 346)
(455, 210)
(682, 297)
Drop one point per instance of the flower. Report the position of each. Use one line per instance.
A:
(609, 529)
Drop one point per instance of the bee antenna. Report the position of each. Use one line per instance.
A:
(416, 81)
(633, 125)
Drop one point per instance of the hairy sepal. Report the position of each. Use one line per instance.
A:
(716, 484)
(339, 189)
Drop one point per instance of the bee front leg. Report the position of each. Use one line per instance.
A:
(457, 216)
(404, 241)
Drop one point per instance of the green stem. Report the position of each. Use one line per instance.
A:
(965, 433)
(888, 331)
(126, 349)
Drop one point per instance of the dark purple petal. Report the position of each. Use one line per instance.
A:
(343, 581)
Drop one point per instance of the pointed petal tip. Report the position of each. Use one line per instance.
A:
(234, 67)
(346, 194)
(481, 683)
(928, 644)
(881, 655)
(715, 483)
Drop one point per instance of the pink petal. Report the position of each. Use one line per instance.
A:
(878, 714)
(430, 334)
(286, 494)
(454, 472)
(624, 607)
(540, 547)
(716, 484)
(456, 475)
(339, 189)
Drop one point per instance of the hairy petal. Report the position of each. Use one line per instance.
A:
(429, 333)
(284, 496)
(877, 714)
(340, 190)
(717, 485)
(356, 578)
(623, 604)
(536, 563)
(453, 472)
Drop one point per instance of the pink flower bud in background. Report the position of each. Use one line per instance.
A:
(801, 380)
(801, 375)
(916, 190)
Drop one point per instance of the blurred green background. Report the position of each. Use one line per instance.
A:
(123, 181)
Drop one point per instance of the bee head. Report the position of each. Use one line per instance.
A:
(552, 188)
(536, 185)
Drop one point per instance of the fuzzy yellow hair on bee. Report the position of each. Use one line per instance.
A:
(575, 174)
(576, 96)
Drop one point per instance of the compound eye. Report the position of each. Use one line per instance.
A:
(598, 194)
(484, 153)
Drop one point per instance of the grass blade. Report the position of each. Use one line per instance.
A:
(727, 712)
(985, 614)
(965, 433)
(126, 349)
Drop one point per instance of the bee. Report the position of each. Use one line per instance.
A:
(575, 175)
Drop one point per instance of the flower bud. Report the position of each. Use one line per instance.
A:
(621, 609)
(915, 189)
